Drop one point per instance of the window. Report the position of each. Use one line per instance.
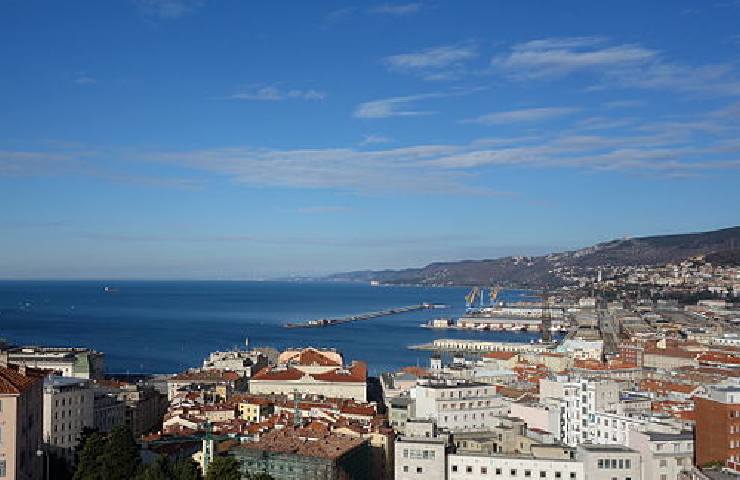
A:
(573, 476)
(454, 468)
(468, 469)
(405, 468)
(627, 463)
(483, 471)
(498, 471)
(405, 453)
(418, 470)
(614, 463)
(621, 463)
(663, 463)
(558, 475)
(601, 463)
(543, 474)
(513, 472)
(527, 473)
(2, 469)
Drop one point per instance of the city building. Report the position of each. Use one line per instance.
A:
(68, 362)
(298, 453)
(21, 421)
(68, 409)
(458, 405)
(718, 426)
(313, 378)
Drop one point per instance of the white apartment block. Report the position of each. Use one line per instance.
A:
(420, 458)
(579, 402)
(458, 405)
(68, 409)
(610, 462)
(664, 455)
(511, 467)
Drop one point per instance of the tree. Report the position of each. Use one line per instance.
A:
(159, 469)
(186, 469)
(164, 469)
(89, 458)
(120, 460)
(223, 468)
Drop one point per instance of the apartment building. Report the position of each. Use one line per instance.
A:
(718, 426)
(663, 455)
(68, 409)
(68, 362)
(458, 405)
(21, 414)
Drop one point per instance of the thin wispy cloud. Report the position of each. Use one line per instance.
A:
(374, 139)
(522, 115)
(403, 106)
(621, 65)
(169, 9)
(84, 79)
(624, 104)
(397, 9)
(554, 57)
(437, 63)
(272, 93)
(394, 107)
(670, 148)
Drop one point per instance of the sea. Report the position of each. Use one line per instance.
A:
(167, 326)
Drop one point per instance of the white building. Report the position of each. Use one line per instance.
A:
(458, 405)
(421, 452)
(520, 467)
(246, 363)
(67, 362)
(664, 455)
(579, 402)
(68, 409)
(609, 462)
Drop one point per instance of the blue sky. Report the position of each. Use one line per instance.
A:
(230, 139)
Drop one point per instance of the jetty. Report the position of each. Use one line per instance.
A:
(328, 322)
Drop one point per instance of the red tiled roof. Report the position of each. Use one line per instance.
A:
(500, 355)
(13, 381)
(356, 373)
(312, 357)
(288, 373)
(416, 371)
(663, 387)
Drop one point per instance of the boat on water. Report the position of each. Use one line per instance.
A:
(109, 289)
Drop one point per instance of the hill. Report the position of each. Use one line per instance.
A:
(723, 245)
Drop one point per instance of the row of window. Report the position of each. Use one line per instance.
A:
(468, 393)
(71, 401)
(513, 472)
(614, 463)
(417, 454)
(463, 405)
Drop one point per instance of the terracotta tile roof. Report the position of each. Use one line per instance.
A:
(356, 373)
(305, 442)
(288, 373)
(660, 386)
(15, 380)
(500, 355)
(416, 371)
(206, 376)
(309, 357)
(715, 357)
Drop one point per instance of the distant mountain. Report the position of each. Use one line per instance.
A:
(723, 245)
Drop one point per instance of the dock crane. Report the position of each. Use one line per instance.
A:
(472, 297)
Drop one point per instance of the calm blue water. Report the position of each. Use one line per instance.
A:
(161, 327)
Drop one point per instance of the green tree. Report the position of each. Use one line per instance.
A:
(120, 460)
(186, 469)
(159, 469)
(163, 469)
(223, 468)
(89, 458)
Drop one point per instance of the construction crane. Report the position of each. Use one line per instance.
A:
(472, 297)
(494, 295)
